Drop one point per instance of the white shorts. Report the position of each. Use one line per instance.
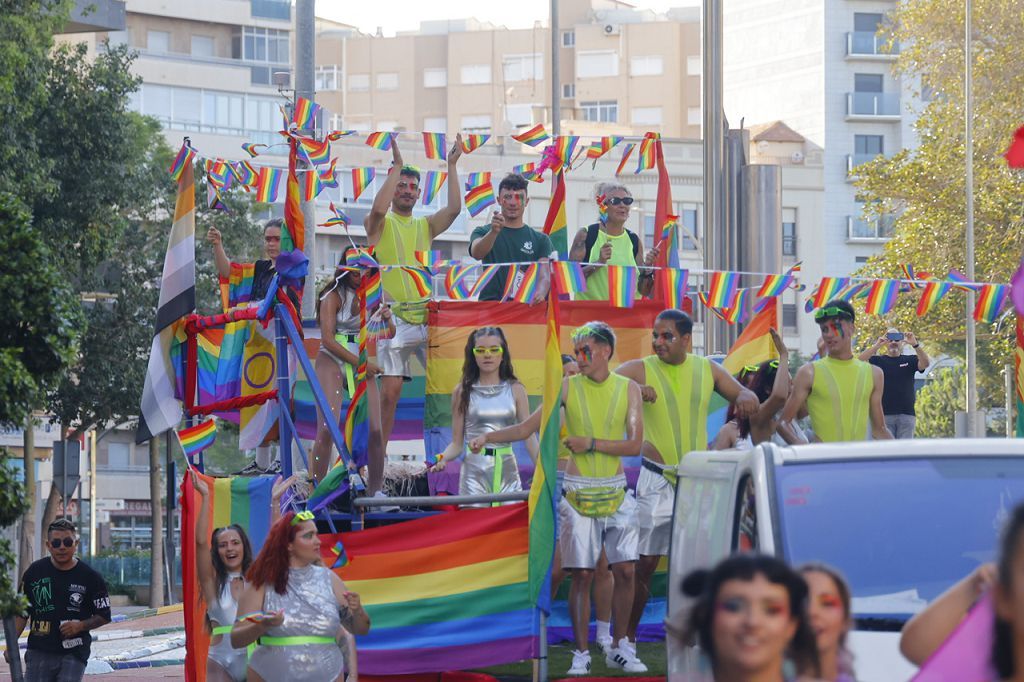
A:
(394, 354)
(580, 538)
(654, 499)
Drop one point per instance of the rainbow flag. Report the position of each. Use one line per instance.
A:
(380, 140)
(252, 148)
(294, 236)
(882, 296)
(528, 286)
(337, 219)
(543, 499)
(477, 178)
(556, 227)
(510, 283)
(958, 278)
(646, 159)
(487, 273)
(828, 288)
(934, 292)
(374, 291)
(569, 277)
(720, 313)
(626, 151)
(361, 179)
(534, 136)
(565, 146)
(185, 157)
(776, 285)
(739, 310)
(305, 114)
(316, 152)
(722, 287)
(420, 278)
(434, 146)
(602, 208)
(268, 182)
(341, 556)
(443, 595)
(433, 181)
(622, 281)
(311, 186)
(245, 173)
(456, 282)
(432, 260)
(479, 197)
(195, 439)
(328, 177)
(673, 286)
(1018, 360)
(218, 173)
(472, 142)
(990, 301)
(603, 146)
(336, 135)
(754, 345)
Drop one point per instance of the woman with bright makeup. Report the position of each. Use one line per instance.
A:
(829, 609)
(749, 617)
(488, 397)
(293, 608)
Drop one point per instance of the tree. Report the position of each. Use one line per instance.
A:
(925, 187)
(938, 401)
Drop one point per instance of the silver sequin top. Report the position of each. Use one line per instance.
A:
(490, 408)
(347, 321)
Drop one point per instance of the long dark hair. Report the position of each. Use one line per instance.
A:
(470, 371)
(760, 381)
(219, 568)
(845, 655)
(1002, 642)
(340, 279)
(704, 585)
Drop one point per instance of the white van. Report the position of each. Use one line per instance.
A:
(902, 519)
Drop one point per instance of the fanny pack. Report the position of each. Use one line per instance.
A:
(596, 502)
(667, 472)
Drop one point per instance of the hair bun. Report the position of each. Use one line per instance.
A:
(696, 582)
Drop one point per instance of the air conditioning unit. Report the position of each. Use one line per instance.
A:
(612, 29)
(797, 157)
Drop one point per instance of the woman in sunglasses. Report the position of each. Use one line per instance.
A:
(294, 609)
(488, 397)
(769, 381)
(608, 242)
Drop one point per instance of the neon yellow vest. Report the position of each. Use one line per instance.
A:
(676, 423)
(597, 410)
(400, 239)
(622, 254)
(840, 399)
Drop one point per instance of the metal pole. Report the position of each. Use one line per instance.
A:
(93, 442)
(281, 361)
(1008, 388)
(972, 362)
(542, 663)
(11, 636)
(556, 62)
(305, 86)
(714, 147)
(64, 483)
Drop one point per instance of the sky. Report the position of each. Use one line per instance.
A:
(405, 15)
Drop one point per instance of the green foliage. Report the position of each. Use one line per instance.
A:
(12, 506)
(937, 402)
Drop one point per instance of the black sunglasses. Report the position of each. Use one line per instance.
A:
(615, 201)
(68, 542)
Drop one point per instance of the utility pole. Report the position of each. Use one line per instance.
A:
(27, 551)
(714, 150)
(305, 86)
(556, 63)
(972, 361)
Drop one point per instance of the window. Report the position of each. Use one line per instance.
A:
(568, 90)
(860, 260)
(519, 114)
(118, 38)
(437, 124)
(867, 82)
(156, 101)
(476, 124)
(202, 46)
(646, 66)
(866, 22)
(601, 112)
(868, 145)
(261, 45)
(645, 116)
(337, 123)
(327, 77)
(272, 9)
(119, 455)
(789, 315)
(435, 78)
(789, 232)
(693, 116)
(187, 106)
(475, 74)
(158, 41)
(694, 66)
(568, 38)
(688, 227)
(358, 82)
(524, 67)
(387, 81)
(597, 64)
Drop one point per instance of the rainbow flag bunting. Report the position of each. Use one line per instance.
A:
(380, 140)
(433, 181)
(739, 310)
(476, 179)
(337, 219)
(858, 290)
(915, 278)
(316, 152)
(329, 177)
(487, 273)
(510, 283)
(336, 135)
(776, 285)
(185, 156)
(934, 292)
(528, 285)
(958, 278)
(626, 151)
(473, 142)
(311, 186)
(622, 281)
(432, 260)
(565, 146)
(569, 277)
(673, 286)
(252, 148)
(305, 114)
(195, 439)
(828, 288)
(991, 298)
(534, 136)
(720, 313)
(479, 197)
(456, 282)
(434, 146)
(218, 173)
(646, 159)
(420, 278)
(601, 147)
(268, 182)
(556, 226)
(361, 179)
(722, 288)
(882, 296)
(245, 173)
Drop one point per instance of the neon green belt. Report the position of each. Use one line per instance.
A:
(226, 630)
(294, 641)
(350, 377)
(498, 454)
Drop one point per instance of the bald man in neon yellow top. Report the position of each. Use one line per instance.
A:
(396, 236)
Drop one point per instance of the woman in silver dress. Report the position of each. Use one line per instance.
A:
(489, 397)
(293, 608)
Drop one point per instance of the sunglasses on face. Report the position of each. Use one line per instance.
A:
(615, 201)
(302, 516)
(774, 364)
(67, 542)
(825, 313)
(488, 350)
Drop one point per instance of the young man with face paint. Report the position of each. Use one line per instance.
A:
(603, 420)
(509, 240)
(396, 236)
(676, 388)
(841, 393)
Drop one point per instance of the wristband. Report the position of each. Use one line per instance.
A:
(593, 445)
(916, 347)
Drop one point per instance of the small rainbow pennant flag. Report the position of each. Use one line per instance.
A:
(195, 439)
(336, 135)
(433, 181)
(569, 277)
(305, 114)
(218, 173)
(487, 273)
(739, 310)
(599, 148)
(720, 313)
(472, 142)
(456, 282)
(316, 152)
(622, 281)
(673, 286)
(722, 287)
(361, 179)
(337, 219)
(252, 148)
(339, 551)
(432, 260)
(882, 296)
(528, 171)
(476, 179)
(828, 288)
(534, 136)
(646, 158)
(626, 151)
(185, 156)
(328, 177)
(775, 285)
(246, 174)
(311, 186)
(510, 283)
(420, 278)
(565, 146)
(268, 183)
(958, 278)
(434, 146)
(991, 298)
(528, 286)
(934, 291)
(379, 140)
(479, 198)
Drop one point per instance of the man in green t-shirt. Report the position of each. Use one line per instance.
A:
(508, 240)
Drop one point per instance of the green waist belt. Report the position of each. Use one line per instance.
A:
(294, 641)
(498, 454)
(226, 630)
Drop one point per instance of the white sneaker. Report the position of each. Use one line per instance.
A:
(606, 643)
(386, 508)
(580, 663)
(624, 658)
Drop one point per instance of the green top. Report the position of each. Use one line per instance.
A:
(400, 239)
(622, 254)
(513, 245)
(676, 423)
(597, 410)
(840, 399)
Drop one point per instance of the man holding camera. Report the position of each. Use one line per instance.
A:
(899, 370)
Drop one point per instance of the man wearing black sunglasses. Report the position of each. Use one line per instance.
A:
(66, 600)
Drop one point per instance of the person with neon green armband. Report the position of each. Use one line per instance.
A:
(843, 395)
(603, 420)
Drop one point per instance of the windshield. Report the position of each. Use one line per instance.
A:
(901, 531)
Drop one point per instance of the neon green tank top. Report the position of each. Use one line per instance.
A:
(597, 410)
(622, 254)
(400, 239)
(840, 399)
(676, 423)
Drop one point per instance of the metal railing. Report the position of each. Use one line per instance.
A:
(872, 104)
(868, 44)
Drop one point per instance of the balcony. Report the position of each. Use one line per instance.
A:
(870, 230)
(854, 160)
(869, 46)
(872, 106)
(272, 9)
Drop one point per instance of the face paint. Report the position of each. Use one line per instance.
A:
(830, 601)
(733, 605)
(584, 353)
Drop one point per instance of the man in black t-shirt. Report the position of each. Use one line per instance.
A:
(899, 394)
(66, 599)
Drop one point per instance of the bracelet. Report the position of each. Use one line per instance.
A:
(917, 346)
(593, 445)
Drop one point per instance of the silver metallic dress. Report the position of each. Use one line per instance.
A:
(490, 408)
(310, 610)
(222, 614)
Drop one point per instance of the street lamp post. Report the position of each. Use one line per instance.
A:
(972, 362)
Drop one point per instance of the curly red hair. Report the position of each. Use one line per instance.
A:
(272, 563)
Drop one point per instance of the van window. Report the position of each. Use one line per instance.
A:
(745, 532)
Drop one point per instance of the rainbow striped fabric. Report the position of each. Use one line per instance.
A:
(487, 273)
(673, 283)
(479, 197)
(315, 152)
(958, 278)
(432, 260)
(361, 179)
(622, 281)
(268, 183)
(456, 282)
(433, 181)
(420, 278)
(991, 298)
(646, 158)
(435, 146)
(185, 157)
(740, 309)
(565, 147)
(311, 186)
(601, 147)
(195, 439)
(336, 135)
(338, 218)
(218, 173)
(472, 142)
(528, 286)
(556, 226)
(776, 285)
(246, 173)
(304, 116)
(722, 287)
(534, 136)
(252, 148)
(442, 595)
(626, 151)
(569, 277)
(828, 288)
(934, 292)
(380, 140)
(329, 176)
(882, 296)
(543, 499)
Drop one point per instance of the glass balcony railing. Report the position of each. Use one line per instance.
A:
(854, 160)
(868, 44)
(875, 229)
(872, 104)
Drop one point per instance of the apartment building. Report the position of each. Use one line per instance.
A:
(821, 68)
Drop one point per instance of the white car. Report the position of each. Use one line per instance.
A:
(902, 519)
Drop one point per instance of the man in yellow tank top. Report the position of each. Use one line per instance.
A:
(396, 236)
(602, 415)
(676, 388)
(841, 393)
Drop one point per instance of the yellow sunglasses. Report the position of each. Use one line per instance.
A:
(302, 516)
(488, 350)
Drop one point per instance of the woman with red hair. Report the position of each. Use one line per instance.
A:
(296, 622)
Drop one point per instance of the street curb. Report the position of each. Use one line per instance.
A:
(129, 665)
(157, 648)
(147, 613)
